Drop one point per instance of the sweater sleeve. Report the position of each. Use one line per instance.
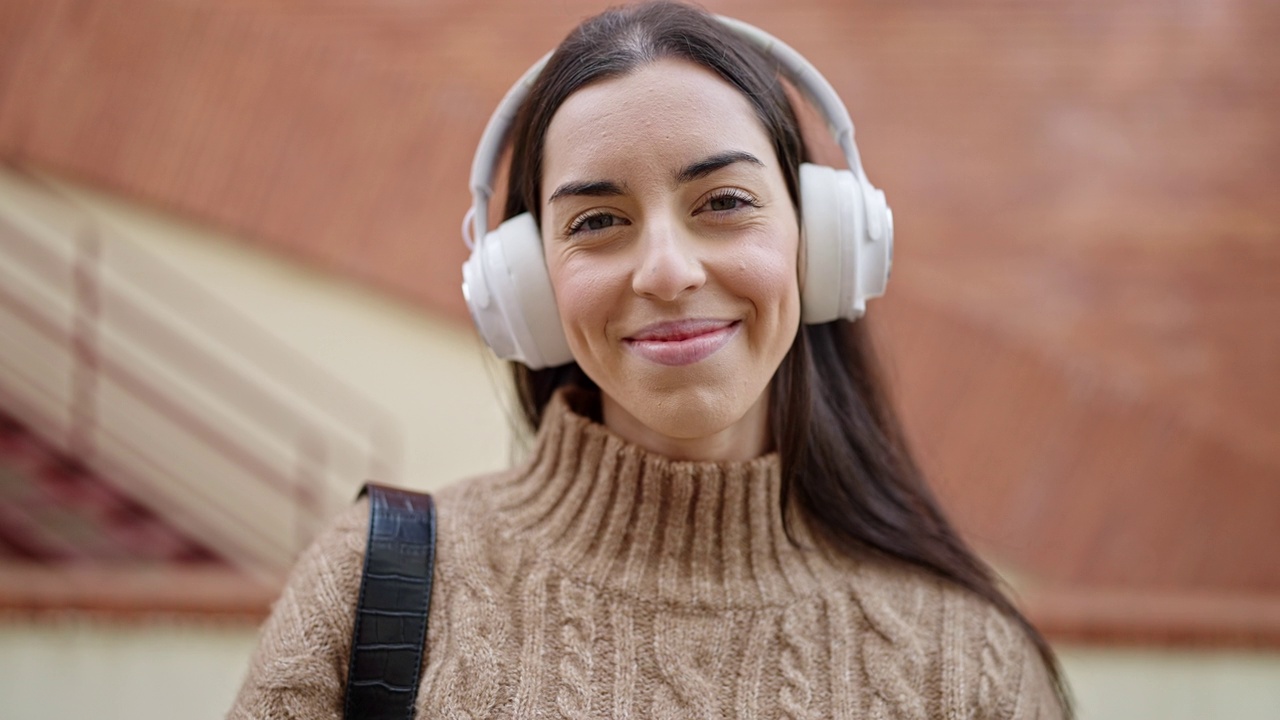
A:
(1037, 699)
(1013, 682)
(299, 668)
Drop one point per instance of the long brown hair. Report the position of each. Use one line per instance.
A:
(844, 457)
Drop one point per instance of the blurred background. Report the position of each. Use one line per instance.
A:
(229, 293)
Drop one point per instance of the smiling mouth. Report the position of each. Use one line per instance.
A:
(683, 342)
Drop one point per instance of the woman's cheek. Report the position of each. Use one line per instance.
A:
(766, 272)
(583, 296)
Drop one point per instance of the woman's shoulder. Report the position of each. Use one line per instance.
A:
(466, 507)
(338, 549)
(981, 658)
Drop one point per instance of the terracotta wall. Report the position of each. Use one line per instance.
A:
(1082, 322)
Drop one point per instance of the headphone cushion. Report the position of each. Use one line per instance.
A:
(832, 223)
(848, 244)
(509, 294)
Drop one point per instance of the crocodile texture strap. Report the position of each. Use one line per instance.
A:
(391, 618)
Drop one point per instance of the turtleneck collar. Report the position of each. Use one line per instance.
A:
(630, 521)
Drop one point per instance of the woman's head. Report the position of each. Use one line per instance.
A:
(659, 155)
(671, 243)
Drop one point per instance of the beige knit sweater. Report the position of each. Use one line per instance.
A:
(600, 580)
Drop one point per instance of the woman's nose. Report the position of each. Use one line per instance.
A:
(669, 265)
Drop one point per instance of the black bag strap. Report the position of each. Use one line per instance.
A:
(390, 633)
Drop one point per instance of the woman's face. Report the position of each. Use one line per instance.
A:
(672, 242)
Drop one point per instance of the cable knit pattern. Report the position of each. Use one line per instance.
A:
(600, 580)
(468, 674)
(800, 632)
(759, 638)
(577, 635)
(997, 663)
(625, 671)
(955, 674)
(691, 653)
(895, 652)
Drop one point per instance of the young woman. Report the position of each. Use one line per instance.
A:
(719, 516)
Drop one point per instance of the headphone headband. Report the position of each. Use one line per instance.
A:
(802, 74)
(484, 166)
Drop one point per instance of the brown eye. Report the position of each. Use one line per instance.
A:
(593, 222)
(727, 201)
(598, 222)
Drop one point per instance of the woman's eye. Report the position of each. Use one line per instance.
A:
(729, 201)
(595, 221)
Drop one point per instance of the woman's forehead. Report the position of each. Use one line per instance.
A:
(662, 113)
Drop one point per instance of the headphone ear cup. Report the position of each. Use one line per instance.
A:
(509, 294)
(828, 221)
(844, 263)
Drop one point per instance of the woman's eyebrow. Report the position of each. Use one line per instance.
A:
(589, 188)
(708, 165)
(692, 171)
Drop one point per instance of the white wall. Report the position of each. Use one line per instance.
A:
(151, 671)
(1173, 685)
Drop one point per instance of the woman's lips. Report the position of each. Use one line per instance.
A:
(683, 342)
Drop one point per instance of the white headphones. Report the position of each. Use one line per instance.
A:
(847, 227)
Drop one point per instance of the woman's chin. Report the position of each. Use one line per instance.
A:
(692, 425)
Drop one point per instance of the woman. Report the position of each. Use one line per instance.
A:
(719, 516)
